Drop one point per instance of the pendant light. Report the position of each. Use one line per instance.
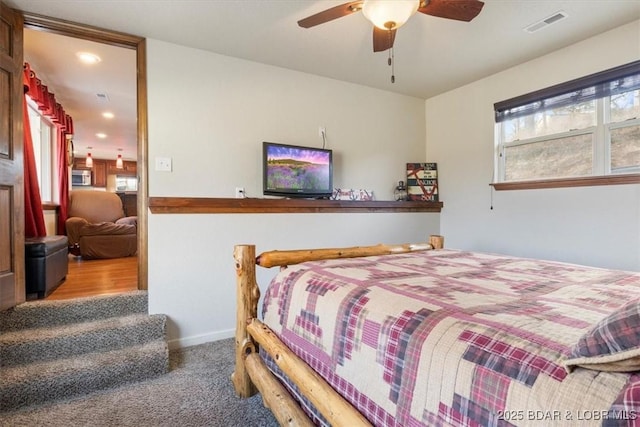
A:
(89, 161)
(119, 164)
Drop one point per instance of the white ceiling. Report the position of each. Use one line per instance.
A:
(76, 87)
(432, 55)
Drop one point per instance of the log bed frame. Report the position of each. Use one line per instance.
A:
(251, 375)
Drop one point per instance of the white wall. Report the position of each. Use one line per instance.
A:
(598, 226)
(210, 114)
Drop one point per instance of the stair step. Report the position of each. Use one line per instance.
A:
(53, 350)
(40, 382)
(47, 313)
(43, 344)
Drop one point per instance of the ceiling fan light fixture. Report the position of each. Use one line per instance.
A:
(389, 14)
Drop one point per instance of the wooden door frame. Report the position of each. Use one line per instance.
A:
(66, 28)
(12, 271)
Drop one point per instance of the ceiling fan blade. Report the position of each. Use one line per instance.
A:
(383, 39)
(461, 10)
(331, 14)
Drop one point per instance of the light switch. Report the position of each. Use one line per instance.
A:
(163, 164)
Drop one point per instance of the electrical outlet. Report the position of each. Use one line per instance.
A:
(322, 131)
(240, 193)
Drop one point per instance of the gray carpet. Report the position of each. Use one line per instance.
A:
(46, 313)
(197, 391)
(53, 350)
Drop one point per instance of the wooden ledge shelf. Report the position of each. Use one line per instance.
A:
(175, 205)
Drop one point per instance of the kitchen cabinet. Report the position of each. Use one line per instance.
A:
(98, 170)
(103, 168)
(99, 173)
(80, 164)
(129, 168)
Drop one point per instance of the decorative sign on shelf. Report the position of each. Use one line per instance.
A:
(422, 181)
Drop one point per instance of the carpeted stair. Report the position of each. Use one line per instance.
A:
(51, 350)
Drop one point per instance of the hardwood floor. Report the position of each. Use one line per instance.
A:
(97, 277)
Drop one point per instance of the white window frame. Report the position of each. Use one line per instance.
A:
(601, 142)
(44, 136)
(619, 125)
(601, 170)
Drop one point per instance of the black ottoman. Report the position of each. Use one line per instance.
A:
(46, 263)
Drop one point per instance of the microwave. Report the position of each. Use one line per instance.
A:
(80, 177)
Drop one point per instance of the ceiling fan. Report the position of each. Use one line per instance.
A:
(388, 15)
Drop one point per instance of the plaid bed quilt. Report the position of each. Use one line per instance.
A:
(453, 338)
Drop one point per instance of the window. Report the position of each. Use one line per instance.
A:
(43, 136)
(585, 128)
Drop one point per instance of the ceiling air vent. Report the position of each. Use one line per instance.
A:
(102, 97)
(537, 26)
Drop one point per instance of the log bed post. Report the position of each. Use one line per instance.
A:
(436, 241)
(251, 374)
(248, 294)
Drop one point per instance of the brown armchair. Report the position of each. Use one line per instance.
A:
(97, 228)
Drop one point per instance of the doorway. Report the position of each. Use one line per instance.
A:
(105, 273)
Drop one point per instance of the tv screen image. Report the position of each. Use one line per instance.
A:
(295, 171)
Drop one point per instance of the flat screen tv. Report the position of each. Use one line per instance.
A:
(294, 171)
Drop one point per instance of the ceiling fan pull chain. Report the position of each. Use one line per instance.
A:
(391, 58)
(391, 62)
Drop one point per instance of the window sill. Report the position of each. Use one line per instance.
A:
(568, 182)
(50, 206)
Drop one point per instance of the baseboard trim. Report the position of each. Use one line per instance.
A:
(200, 339)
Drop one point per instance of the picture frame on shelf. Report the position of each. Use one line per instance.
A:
(422, 182)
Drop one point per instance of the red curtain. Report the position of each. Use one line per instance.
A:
(64, 126)
(63, 176)
(33, 216)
